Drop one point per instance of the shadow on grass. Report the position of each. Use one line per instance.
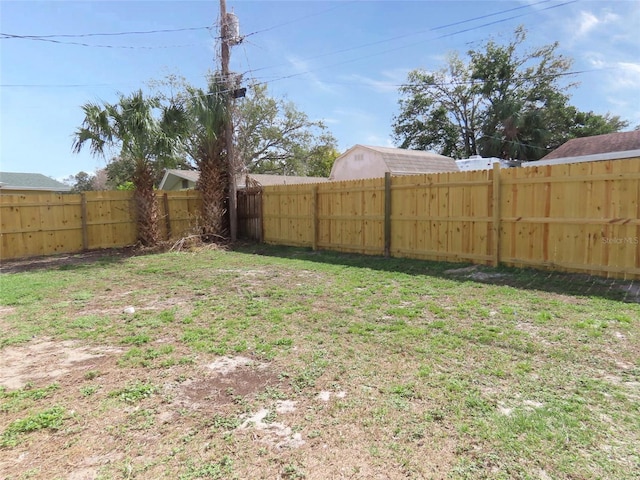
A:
(530, 279)
(70, 261)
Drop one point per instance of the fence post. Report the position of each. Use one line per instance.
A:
(387, 214)
(496, 214)
(167, 218)
(83, 215)
(314, 217)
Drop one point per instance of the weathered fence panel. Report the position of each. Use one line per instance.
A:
(250, 213)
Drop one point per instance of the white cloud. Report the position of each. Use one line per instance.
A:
(627, 75)
(303, 67)
(378, 141)
(389, 80)
(588, 21)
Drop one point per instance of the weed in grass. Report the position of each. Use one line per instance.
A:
(292, 471)
(543, 317)
(91, 374)
(221, 422)
(51, 418)
(407, 391)
(270, 417)
(142, 419)
(137, 357)
(24, 397)
(210, 470)
(139, 339)
(134, 392)
(272, 393)
(81, 296)
(89, 390)
(167, 316)
(308, 376)
(437, 310)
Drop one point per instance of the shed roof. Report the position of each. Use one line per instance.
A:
(400, 161)
(266, 179)
(30, 181)
(610, 142)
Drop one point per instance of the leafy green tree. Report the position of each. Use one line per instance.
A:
(321, 159)
(440, 110)
(503, 101)
(80, 182)
(120, 171)
(587, 124)
(273, 136)
(524, 96)
(143, 131)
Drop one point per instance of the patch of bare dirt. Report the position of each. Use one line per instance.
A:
(224, 385)
(48, 360)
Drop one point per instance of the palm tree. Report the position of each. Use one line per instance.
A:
(205, 144)
(132, 126)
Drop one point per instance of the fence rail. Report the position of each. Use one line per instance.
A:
(582, 217)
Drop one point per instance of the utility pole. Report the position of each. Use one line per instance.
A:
(228, 133)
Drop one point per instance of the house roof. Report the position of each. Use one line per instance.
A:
(400, 161)
(30, 181)
(610, 142)
(191, 175)
(262, 179)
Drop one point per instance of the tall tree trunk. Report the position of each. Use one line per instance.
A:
(212, 183)
(146, 207)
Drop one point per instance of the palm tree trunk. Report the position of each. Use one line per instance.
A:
(212, 187)
(146, 207)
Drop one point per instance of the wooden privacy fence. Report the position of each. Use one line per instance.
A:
(581, 217)
(43, 224)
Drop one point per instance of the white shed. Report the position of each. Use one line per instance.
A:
(363, 161)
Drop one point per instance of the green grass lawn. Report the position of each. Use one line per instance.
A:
(267, 362)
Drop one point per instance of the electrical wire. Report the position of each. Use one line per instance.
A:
(107, 34)
(295, 20)
(293, 75)
(82, 44)
(433, 29)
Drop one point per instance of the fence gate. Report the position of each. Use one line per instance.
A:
(250, 213)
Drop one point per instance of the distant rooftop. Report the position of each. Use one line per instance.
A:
(30, 181)
(610, 142)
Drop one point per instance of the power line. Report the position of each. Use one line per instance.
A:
(295, 20)
(82, 44)
(267, 81)
(433, 29)
(286, 77)
(107, 34)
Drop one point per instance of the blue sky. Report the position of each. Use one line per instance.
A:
(338, 61)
